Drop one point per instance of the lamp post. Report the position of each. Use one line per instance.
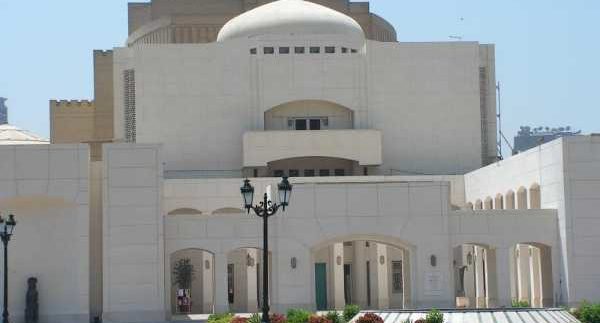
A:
(266, 209)
(7, 226)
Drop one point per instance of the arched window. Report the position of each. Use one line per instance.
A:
(535, 197)
(509, 200)
(488, 203)
(478, 205)
(522, 198)
(499, 202)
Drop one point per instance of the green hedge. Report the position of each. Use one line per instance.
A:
(588, 312)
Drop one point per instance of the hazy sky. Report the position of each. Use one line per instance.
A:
(547, 52)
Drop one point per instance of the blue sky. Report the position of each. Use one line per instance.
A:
(547, 52)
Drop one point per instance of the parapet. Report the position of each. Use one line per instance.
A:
(103, 52)
(72, 104)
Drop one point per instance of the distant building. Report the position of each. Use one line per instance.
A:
(528, 138)
(3, 111)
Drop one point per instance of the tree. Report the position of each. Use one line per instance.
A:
(184, 273)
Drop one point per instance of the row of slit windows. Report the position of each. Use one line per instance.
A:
(310, 172)
(269, 50)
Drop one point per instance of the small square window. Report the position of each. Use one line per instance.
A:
(344, 50)
(284, 50)
(323, 172)
(301, 124)
(299, 50)
(340, 172)
(253, 51)
(294, 173)
(309, 173)
(354, 51)
(315, 50)
(330, 50)
(269, 50)
(278, 173)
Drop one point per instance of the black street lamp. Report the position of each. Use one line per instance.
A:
(7, 226)
(266, 209)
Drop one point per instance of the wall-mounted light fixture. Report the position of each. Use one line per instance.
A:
(294, 262)
(469, 258)
(338, 260)
(382, 260)
(207, 264)
(249, 261)
(433, 261)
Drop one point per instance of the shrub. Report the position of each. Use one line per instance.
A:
(334, 317)
(420, 321)
(220, 318)
(370, 318)
(519, 304)
(588, 312)
(295, 315)
(318, 319)
(239, 319)
(255, 318)
(434, 316)
(277, 318)
(350, 312)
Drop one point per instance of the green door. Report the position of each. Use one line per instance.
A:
(321, 286)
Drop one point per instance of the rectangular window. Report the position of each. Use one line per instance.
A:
(344, 50)
(230, 287)
(348, 283)
(255, 172)
(330, 50)
(315, 124)
(323, 172)
(368, 283)
(309, 173)
(294, 173)
(253, 51)
(354, 51)
(129, 105)
(300, 124)
(340, 172)
(269, 50)
(299, 50)
(278, 173)
(284, 50)
(397, 277)
(315, 50)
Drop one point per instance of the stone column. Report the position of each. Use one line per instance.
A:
(336, 252)
(492, 278)
(207, 283)
(359, 275)
(220, 268)
(407, 279)
(251, 281)
(479, 259)
(536, 277)
(504, 259)
(382, 298)
(523, 273)
(547, 278)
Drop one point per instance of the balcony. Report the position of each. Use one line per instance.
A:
(263, 147)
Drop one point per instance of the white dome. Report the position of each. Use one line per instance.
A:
(11, 135)
(291, 17)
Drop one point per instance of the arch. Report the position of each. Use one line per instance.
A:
(499, 202)
(185, 211)
(532, 274)
(245, 277)
(475, 278)
(228, 210)
(522, 198)
(488, 203)
(535, 196)
(331, 115)
(199, 298)
(478, 205)
(509, 200)
(469, 206)
(345, 267)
